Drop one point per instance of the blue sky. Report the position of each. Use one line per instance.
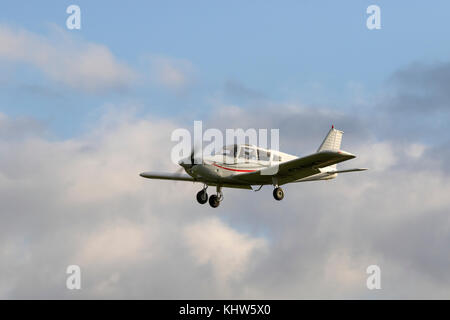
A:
(310, 52)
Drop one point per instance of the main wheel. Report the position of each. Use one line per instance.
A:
(202, 197)
(278, 194)
(214, 201)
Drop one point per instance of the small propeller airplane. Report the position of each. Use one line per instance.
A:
(249, 167)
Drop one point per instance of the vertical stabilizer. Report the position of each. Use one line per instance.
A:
(332, 141)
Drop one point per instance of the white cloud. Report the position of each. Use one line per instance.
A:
(78, 64)
(81, 201)
(174, 74)
(210, 241)
(378, 156)
(415, 150)
(115, 243)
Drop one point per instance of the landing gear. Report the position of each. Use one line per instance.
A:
(215, 199)
(202, 196)
(278, 193)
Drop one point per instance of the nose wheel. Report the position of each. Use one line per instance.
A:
(214, 200)
(202, 196)
(278, 193)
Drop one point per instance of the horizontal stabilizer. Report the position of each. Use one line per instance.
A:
(347, 170)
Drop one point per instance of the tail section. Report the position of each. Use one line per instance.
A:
(332, 141)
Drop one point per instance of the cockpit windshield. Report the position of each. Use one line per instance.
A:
(246, 152)
(229, 151)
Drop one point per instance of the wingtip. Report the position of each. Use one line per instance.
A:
(345, 153)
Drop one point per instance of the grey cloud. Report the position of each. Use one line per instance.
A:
(420, 87)
(80, 201)
(20, 128)
(411, 105)
(302, 129)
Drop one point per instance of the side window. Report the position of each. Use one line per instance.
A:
(263, 155)
(229, 151)
(235, 150)
(276, 157)
(247, 153)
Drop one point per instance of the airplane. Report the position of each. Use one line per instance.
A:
(247, 166)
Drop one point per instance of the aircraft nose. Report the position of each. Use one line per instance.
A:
(186, 162)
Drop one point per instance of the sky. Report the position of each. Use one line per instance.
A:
(83, 112)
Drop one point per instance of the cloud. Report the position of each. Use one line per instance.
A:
(118, 242)
(421, 87)
(171, 73)
(65, 221)
(81, 201)
(19, 128)
(302, 128)
(415, 150)
(379, 156)
(75, 63)
(229, 252)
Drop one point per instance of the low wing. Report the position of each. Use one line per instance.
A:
(296, 169)
(185, 177)
(314, 161)
(167, 176)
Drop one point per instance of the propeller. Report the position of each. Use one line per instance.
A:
(192, 158)
(191, 163)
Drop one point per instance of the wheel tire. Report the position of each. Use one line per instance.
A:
(202, 197)
(214, 201)
(278, 194)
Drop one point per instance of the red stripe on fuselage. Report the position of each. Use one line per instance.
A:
(237, 170)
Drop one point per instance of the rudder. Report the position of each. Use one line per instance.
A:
(332, 141)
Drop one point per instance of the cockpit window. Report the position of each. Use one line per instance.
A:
(247, 153)
(276, 157)
(229, 151)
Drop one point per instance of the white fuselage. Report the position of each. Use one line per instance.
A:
(226, 166)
